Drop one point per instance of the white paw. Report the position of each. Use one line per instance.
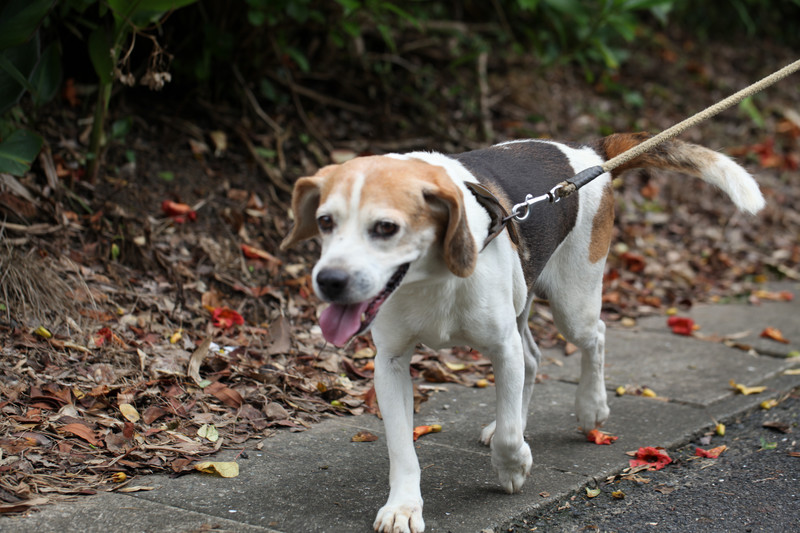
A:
(591, 408)
(513, 468)
(487, 433)
(400, 518)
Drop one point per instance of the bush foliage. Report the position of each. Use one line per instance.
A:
(361, 52)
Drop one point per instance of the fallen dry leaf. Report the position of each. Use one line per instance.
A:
(136, 488)
(364, 436)
(208, 431)
(129, 412)
(779, 296)
(768, 404)
(600, 437)
(424, 430)
(196, 360)
(742, 389)
(783, 427)
(225, 394)
(19, 507)
(220, 468)
(83, 431)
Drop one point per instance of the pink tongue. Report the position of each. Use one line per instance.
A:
(340, 322)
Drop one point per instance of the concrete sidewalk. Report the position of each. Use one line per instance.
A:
(320, 481)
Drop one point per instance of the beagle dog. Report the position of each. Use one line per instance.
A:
(415, 251)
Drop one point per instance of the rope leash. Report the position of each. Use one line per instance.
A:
(565, 188)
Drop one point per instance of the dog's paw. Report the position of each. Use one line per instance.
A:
(591, 408)
(402, 518)
(513, 468)
(487, 433)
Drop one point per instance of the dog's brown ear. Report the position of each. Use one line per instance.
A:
(305, 201)
(459, 248)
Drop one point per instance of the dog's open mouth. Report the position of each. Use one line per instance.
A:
(342, 322)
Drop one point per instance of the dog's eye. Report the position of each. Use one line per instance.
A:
(384, 229)
(325, 223)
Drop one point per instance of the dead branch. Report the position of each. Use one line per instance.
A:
(483, 85)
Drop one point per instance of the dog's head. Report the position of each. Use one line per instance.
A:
(377, 216)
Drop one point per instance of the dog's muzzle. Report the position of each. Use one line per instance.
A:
(339, 321)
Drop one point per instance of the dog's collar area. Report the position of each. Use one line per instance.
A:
(499, 217)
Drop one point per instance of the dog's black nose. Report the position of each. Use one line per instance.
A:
(332, 282)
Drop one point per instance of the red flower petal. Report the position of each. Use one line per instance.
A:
(178, 212)
(713, 453)
(681, 325)
(224, 317)
(656, 458)
(599, 437)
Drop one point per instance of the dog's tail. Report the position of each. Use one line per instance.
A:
(692, 159)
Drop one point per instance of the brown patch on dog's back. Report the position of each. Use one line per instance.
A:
(602, 226)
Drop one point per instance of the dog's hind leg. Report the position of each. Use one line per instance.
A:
(576, 300)
(533, 359)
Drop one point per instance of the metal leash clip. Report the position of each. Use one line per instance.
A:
(521, 210)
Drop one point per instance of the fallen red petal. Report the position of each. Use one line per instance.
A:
(225, 317)
(774, 334)
(177, 211)
(599, 437)
(655, 458)
(681, 325)
(713, 453)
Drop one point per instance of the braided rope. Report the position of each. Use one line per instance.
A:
(695, 119)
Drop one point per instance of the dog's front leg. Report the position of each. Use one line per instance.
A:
(511, 455)
(403, 510)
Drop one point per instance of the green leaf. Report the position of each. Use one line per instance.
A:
(18, 151)
(298, 58)
(19, 20)
(100, 54)
(143, 12)
(386, 33)
(16, 65)
(166, 175)
(120, 128)
(749, 108)
(766, 445)
(647, 4)
(46, 77)
(573, 7)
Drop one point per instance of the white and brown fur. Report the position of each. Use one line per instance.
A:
(456, 293)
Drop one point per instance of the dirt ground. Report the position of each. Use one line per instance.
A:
(149, 318)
